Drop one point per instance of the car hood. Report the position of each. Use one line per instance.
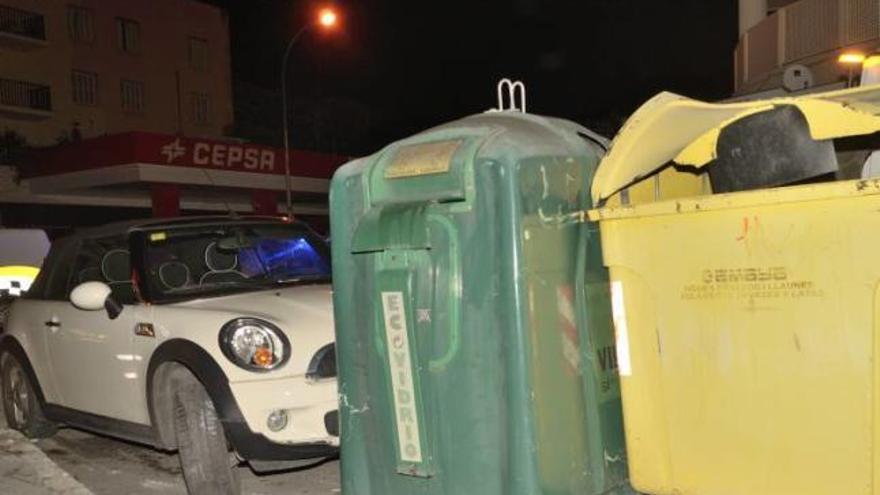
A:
(302, 307)
(303, 312)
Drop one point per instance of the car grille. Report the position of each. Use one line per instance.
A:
(331, 422)
(323, 364)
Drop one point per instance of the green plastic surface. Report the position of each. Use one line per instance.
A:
(474, 337)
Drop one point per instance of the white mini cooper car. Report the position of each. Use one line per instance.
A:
(208, 335)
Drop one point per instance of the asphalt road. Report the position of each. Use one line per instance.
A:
(112, 467)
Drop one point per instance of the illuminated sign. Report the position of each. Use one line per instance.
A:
(16, 280)
(217, 154)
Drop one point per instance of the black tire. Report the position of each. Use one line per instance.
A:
(21, 406)
(209, 467)
(5, 304)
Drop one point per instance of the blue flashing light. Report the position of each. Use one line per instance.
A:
(296, 255)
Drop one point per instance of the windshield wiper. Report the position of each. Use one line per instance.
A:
(303, 278)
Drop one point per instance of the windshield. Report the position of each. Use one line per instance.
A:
(194, 262)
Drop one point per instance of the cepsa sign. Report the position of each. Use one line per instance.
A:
(216, 154)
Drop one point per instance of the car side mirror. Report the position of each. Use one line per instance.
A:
(94, 296)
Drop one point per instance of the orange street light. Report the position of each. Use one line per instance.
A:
(327, 17)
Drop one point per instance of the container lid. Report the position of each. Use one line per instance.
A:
(670, 127)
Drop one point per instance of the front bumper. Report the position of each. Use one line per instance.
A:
(310, 407)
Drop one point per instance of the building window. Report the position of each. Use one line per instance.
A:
(25, 94)
(22, 23)
(85, 87)
(80, 24)
(198, 54)
(201, 108)
(129, 34)
(132, 96)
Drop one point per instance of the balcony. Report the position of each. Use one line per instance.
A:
(774, 5)
(21, 29)
(25, 100)
(809, 33)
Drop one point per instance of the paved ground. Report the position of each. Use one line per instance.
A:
(111, 467)
(25, 470)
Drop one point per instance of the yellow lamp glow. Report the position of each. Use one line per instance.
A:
(851, 58)
(871, 62)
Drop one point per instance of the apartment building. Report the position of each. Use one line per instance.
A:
(794, 46)
(75, 69)
(127, 107)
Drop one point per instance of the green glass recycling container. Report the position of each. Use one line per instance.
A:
(474, 334)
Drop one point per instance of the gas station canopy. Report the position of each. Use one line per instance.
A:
(138, 169)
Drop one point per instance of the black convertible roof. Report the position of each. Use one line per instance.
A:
(62, 244)
(125, 226)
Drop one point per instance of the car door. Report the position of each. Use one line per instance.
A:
(31, 311)
(93, 364)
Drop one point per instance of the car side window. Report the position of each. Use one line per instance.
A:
(59, 264)
(105, 260)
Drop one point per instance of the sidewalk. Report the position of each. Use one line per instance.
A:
(25, 469)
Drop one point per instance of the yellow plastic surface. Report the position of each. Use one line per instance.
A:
(669, 183)
(672, 128)
(750, 320)
(19, 272)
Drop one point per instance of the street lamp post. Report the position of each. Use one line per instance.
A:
(326, 19)
(288, 202)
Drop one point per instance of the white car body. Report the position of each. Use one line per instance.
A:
(101, 373)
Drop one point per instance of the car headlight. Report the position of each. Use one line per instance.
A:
(253, 344)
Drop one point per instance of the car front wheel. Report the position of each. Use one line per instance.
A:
(20, 404)
(209, 468)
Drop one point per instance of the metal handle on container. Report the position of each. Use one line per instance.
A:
(454, 296)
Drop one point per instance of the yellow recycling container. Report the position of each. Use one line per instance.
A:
(747, 320)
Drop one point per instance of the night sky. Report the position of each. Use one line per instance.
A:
(398, 67)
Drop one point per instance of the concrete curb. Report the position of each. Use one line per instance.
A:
(26, 470)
